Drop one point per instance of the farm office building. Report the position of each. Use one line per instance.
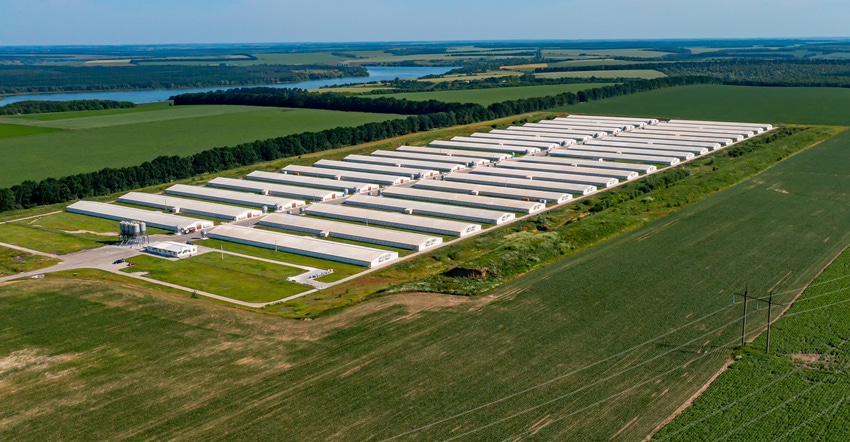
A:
(172, 249)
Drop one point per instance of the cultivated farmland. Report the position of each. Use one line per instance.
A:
(494, 95)
(625, 73)
(801, 105)
(797, 392)
(603, 344)
(125, 139)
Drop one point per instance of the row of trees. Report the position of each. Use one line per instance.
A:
(28, 79)
(38, 107)
(754, 72)
(168, 168)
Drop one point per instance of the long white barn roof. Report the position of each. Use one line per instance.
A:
(399, 220)
(354, 232)
(514, 143)
(402, 162)
(489, 156)
(564, 161)
(561, 177)
(597, 155)
(306, 181)
(321, 172)
(521, 183)
(413, 172)
(544, 167)
(301, 245)
(274, 189)
(230, 196)
(183, 205)
(467, 161)
(484, 147)
(165, 221)
(431, 209)
(494, 191)
(460, 199)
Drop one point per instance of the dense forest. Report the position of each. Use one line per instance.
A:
(165, 169)
(39, 107)
(752, 72)
(30, 79)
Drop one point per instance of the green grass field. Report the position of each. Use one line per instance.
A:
(53, 116)
(13, 262)
(797, 392)
(231, 276)
(66, 233)
(625, 73)
(494, 95)
(604, 344)
(341, 270)
(14, 130)
(731, 103)
(125, 139)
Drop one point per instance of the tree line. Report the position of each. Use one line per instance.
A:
(30, 79)
(39, 107)
(165, 169)
(747, 72)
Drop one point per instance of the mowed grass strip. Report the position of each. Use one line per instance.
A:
(57, 240)
(13, 262)
(493, 95)
(14, 130)
(790, 105)
(645, 74)
(797, 392)
(235, 277)
(60, 154)
(341, 270)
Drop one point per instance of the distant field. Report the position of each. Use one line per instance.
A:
(14, 130)
(625, 73)
(125, 139)
(495, 95)
(233, 276)
(595, 62)
(607, 340)
(32, 118)
(575, 53)
(461, 77)
(799, 391)
(735, 103)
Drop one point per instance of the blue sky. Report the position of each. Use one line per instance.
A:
(56, 22)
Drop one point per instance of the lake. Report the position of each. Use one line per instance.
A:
(376, 73)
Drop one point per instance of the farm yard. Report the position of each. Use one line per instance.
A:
(554, 341)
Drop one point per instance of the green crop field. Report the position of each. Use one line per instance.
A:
(797, 392)
(604, 344)
(32, 118)
(494, 95)
(235, 277)
(125, 139)
(624, 73)
(800, 105)
(14, 130)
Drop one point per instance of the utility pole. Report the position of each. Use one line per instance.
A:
(744, 322)
(769, 307)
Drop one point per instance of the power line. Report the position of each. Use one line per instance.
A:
(653, 379)
(557, 378)
(599, 381)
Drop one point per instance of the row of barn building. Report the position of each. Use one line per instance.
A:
(415, 197)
